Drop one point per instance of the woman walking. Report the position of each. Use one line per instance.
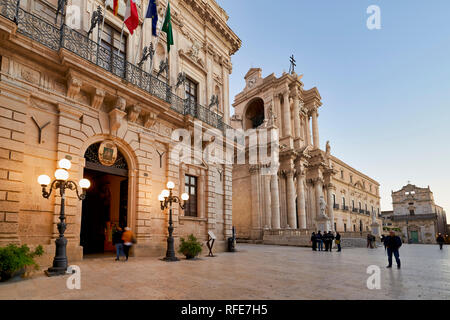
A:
(314, 241)
(118, 242)
(338, 241)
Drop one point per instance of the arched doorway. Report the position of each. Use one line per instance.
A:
(106, 203)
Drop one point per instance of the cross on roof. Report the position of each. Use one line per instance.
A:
(293, 64)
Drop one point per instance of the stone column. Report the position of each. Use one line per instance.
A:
(315, 128)
(317, 194)
(255, 193)
(286, 115)
(275, 202)
(301, 204)
(277, 106)
(330, 205)
(290, 193)
(267, 204)
(308, 131)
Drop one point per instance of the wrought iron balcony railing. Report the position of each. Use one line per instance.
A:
(57, 37)
(355, 210)
(345, 208)
(336, 206)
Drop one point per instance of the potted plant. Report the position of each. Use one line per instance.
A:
(191, 247)
(14, 260)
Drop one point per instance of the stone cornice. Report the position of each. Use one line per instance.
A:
(209, 13)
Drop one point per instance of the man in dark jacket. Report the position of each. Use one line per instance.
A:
(314, 241)
(440, 240)
(393, 243)
(319, 240)
(118, 242)
(338, 241)
(330, 239)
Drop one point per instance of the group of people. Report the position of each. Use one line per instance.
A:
(324, 242)
(123, 240)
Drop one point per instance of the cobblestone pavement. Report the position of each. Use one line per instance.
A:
(255, 272)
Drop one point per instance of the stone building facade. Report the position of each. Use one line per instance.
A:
(62, 95)
(416, 215)
(309, 189)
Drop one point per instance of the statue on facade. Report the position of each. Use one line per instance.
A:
(323, 207)
(272, 116)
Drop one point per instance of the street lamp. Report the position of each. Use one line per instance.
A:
(62, 183)
(166, 198)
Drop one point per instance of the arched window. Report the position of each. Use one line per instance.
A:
(254, 115)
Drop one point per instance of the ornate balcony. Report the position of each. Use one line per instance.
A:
(336, 206)
(57, 37)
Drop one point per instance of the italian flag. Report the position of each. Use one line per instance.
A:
(131, 16)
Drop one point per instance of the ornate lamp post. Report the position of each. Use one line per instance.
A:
(62, 183)
(167, 198)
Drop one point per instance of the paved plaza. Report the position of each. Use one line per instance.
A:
(255, 272)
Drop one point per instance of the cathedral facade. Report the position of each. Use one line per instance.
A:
(310, 189)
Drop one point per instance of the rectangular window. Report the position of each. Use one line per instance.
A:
(342, 174)
(113, 52)
(190, 187)
(334, 199)
(343, 203)
(191, 88)
(335, 226)
(345, 227)
(353, 204)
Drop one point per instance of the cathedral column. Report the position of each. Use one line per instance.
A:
(267, 205)
(275, 201)
(278, 112)
(286, 115)
(297, 126)
(318, 194)
(315, 128)
(301, 204)
(290, 193)
(308, 130)
(330, 190)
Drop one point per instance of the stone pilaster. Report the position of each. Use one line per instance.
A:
(267, 203)
(301, 204)
(315, 128)
(13, 103)
(256, 201)
(286, 115)
(330, 189)
(228, 207)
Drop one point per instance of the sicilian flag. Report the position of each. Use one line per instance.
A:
(116, 7)
(131, 16)
(152, 13)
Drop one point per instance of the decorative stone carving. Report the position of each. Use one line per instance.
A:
(97, 98)
(323, 206)
(121, 104)
(133, 112)
(116, 118)
(150, 119)
(73, 86)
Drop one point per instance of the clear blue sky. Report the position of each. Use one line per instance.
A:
(386, 93)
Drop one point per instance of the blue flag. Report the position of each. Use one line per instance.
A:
(152, 13)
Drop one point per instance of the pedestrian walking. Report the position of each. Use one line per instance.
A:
(118, 242)
(393, 243)
(440, 240)
(369, 241)
(319, 241)
(314, 241)
(338, 241)
(128, 241)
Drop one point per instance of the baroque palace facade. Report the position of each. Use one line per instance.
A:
(310, 189)
(62, 95)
